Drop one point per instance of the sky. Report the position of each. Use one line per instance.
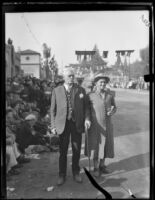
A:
(66, 32)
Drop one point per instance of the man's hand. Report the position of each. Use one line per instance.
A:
(54, 131)
(33, 132)
(87, 124)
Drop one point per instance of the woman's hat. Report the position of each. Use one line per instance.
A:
(101, 76)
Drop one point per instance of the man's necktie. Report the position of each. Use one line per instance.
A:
(69, 105)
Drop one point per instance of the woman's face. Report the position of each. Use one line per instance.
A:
(101, 84)
(17, 107)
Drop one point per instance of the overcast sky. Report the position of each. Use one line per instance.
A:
(66, 32)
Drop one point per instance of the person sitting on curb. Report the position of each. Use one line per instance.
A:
(26, 135)
(14, 157)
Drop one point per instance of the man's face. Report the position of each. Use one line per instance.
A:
(69, 78)
(17, 106)
(9, 116)
(30, 82)
(32, 122)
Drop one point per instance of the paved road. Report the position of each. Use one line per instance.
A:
(130, 167)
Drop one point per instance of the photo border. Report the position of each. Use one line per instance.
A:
(40, 6)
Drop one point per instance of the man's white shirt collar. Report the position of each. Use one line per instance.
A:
(66, 86)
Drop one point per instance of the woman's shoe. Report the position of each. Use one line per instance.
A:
(17, 166)
(21, 159)
(104, 170)
(61, 180)
(13, 172)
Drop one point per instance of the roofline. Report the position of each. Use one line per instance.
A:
(38, 64)
(29, 53)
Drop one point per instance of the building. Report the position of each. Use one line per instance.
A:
(89, 61)
(84, 55)
(31, 63)
(12, 61)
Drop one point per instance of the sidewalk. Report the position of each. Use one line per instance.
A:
(130, 167)
(130, 170)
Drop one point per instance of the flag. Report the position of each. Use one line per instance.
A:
(105, 54)
(122, 53)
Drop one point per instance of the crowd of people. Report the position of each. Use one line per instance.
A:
(36, 108)
(28, 101)
(31, 115)
(138, 84)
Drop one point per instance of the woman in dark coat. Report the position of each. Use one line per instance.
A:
(100, 135)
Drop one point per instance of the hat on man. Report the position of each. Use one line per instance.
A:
(101, 76)
(43, 81)
(68, 71)
(8, 109)
(30, 117)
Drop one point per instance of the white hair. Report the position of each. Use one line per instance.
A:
(68, 70)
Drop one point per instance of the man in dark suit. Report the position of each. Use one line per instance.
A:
(69, 116)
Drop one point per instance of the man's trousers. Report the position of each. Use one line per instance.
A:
(76, 137)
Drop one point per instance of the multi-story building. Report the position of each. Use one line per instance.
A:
(12, 61)
(31, 63)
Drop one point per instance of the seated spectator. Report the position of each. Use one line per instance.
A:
(27, 93)
(10, 97)
(24, 94)
(13, 116)
(13, 156)
(51, 86)
(43, 103)
(26, 134)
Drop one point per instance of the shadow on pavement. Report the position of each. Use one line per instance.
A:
(113, 182)
(115, 195)
(131, 163)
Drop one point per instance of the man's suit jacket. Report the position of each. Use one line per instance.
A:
(80, 108)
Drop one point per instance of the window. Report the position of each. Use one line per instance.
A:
(27, 58)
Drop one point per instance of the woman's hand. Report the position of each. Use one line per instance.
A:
(87, 124)
(54, 131)
(111, 111)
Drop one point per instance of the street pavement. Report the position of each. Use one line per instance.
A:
(130, 167)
